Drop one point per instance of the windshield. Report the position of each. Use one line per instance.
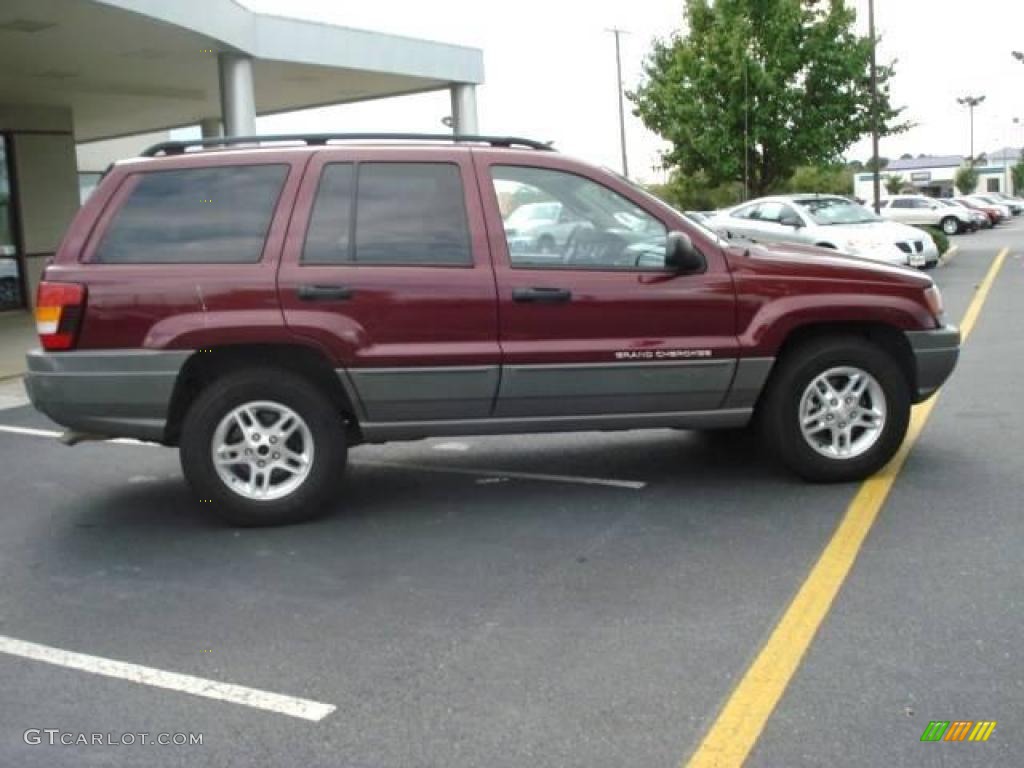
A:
(836, 210)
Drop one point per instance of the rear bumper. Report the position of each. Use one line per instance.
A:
(112, 393)
(935, 356)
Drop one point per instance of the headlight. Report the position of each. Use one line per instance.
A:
(933, 298)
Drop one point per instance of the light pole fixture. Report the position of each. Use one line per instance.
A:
(618, 92)
(971, 102)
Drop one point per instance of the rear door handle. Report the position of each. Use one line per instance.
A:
(542, 295)
(324, 292)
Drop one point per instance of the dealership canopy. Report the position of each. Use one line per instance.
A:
(129, 66)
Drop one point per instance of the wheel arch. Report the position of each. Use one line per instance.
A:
(892, 340)
(207, 365)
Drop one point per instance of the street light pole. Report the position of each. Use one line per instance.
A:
(876, 175)
(971, 102)
(746, 127)
(618, 91)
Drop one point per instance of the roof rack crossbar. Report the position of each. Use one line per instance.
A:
(321, 139)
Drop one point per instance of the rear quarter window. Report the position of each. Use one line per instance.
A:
(195, 216)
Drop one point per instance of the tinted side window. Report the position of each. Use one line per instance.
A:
(328, 240)
(411, 213)
(196, 216)
(902, 204)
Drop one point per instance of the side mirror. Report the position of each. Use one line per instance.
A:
(681, 255)
(791, 221)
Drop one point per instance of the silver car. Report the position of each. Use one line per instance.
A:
(828, 221)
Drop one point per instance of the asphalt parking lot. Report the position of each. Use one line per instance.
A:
(554, 600)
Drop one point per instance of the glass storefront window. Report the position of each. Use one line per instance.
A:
(10, 284)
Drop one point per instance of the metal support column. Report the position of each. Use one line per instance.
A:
(237, 95)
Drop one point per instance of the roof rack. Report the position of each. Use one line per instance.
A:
(321, 139)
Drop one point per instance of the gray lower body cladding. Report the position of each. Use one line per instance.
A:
(413, 403)
(115, 393)
(127, 393)
(935, 356)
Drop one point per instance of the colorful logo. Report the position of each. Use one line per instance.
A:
(958, 730)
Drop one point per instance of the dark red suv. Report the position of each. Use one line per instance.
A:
(266, 307)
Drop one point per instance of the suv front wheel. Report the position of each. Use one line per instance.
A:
(837, 409)
(263, 447)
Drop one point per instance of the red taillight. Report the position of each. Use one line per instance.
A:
(59, 309)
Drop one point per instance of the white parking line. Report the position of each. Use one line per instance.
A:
(630, 484)
(633, 485)
(304, 709)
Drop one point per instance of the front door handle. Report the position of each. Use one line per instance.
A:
(324, 292)
(542, 295)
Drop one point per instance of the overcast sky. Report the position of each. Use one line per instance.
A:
(550, 69)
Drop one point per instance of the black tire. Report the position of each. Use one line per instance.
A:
(779, 411)
(326, 426)
(950, 225)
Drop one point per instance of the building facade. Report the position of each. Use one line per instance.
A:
(935, 175)
(74, 71)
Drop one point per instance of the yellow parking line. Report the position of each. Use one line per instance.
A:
(739, 724)
(948, 255)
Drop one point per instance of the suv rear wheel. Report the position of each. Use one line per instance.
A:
(837, 409)
(263, 447)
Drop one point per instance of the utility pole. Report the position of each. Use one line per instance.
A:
(618, 92)
(877, 178)
(746, 127)
(971, 102)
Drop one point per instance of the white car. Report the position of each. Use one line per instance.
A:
(827, 221)
(540, 227)
(922, 211)
(979, 220)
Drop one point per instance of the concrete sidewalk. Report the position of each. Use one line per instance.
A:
(17, 334)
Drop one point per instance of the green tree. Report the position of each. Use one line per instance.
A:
(795, 69)
(894, 184)
(966, 180)
(1017, 172)
(831, 180)
(694, 193)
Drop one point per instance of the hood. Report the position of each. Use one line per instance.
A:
(876, 231)
(811, 262)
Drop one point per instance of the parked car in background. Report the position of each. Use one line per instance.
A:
(993, 213)
(10, 291)
(923, 211)
(1004, 210)
(1015, 204)
(828, 221)
(978, 219)
(540, 227)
